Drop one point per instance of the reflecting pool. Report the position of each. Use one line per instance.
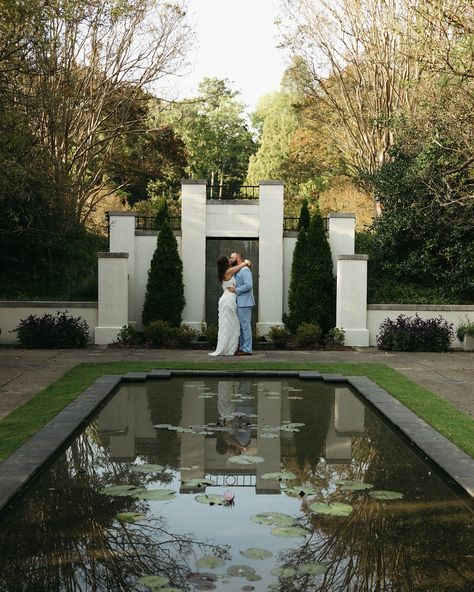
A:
(232, 484)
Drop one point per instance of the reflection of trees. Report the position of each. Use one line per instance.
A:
(66, 538)
(419, 544)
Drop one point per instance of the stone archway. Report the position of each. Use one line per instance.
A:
(215, 247)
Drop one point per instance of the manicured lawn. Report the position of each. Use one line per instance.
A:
(17, 427)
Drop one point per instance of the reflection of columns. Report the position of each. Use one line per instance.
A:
(193, 249)
(192, 445)
(117, 421)
(338, 448)
(269, 413)
(270, 256)
(349, 413)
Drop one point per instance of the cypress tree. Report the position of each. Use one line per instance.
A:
(311, 297)
(305, 218)
(162, 214)
(164, 298)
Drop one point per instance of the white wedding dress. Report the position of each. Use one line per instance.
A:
(229, 326)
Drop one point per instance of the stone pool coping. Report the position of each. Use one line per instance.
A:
(20, 468)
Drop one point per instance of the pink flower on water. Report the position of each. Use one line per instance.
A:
(228, 497)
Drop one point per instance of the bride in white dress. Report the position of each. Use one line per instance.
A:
(229, 326)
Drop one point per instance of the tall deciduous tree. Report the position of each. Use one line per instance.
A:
(164, 298)
(77, 70)
(216, 134)
(359, 60)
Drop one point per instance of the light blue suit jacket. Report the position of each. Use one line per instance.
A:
(244, 288)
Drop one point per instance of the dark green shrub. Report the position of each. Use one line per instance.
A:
(185, 335)
(308, 335)
(335, 337)
(466, 328)
(415, 334)
(161, 334)
(164, 298)
(311, 297)
(129, 336)
(211, 335)
(279, 336)
(48, 331)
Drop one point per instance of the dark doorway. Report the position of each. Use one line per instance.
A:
(215, 247)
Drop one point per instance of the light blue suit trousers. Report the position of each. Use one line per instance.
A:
(245, 303)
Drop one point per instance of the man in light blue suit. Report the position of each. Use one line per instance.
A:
(245, 303)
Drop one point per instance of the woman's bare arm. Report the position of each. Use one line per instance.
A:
(233, 270)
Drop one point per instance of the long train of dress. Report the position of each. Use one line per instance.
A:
(229, 326)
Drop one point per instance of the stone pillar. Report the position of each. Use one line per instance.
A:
(270, 263)
(122, 240)
(341, 236)
(113, 296)
(351, 299)
(193, 249)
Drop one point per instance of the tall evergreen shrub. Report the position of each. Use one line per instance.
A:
(311, 297)
(164, 298)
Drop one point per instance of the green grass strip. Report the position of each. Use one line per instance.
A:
(25, 421)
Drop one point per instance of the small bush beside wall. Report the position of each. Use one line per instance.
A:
(48, 331)
(415, 334)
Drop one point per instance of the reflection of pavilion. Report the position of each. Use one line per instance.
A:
(126, 422)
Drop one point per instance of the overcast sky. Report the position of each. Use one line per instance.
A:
(235, 39)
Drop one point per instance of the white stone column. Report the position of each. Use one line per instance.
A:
(113, 296)
(193, 251)
(351, 299)
(341, 236)
(270, 263)
(122, 240)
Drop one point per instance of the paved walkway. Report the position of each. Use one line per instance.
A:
(24, 373)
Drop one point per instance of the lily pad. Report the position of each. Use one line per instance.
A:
(273, 519)
(158, 495)
(313, 569)
(269, 435)
(382, 494)
(283, 572)
(212, 500)
(121, 490)
(298, 491)
(210, 562)
(256, 553)
(240, 571)
(289, 531)
(162, 426)
(246, 459)
(202, 580)
(295, 397)
(282, 476)
(147, 468)
(347, 485)
(334, 509)
(197, 482)
(130, 516)
(153, 581)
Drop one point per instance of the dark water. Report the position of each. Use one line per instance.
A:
(64, 535)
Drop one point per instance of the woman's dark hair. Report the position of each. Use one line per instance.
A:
(222, 267)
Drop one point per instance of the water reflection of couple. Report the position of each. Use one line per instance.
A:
(235, 306)
(235, 417)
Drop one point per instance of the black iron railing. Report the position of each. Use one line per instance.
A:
(150, 223)
(291, 224)
(232, 191)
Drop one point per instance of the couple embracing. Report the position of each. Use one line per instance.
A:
(234, 335)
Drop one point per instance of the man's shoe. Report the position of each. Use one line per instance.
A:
(242, 353)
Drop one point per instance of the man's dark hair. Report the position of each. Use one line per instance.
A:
(240, 255)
